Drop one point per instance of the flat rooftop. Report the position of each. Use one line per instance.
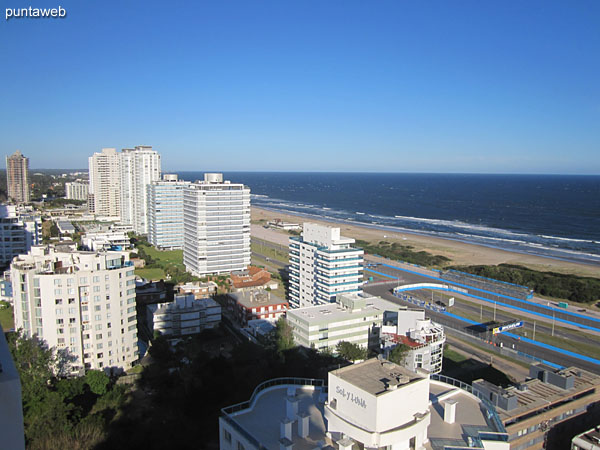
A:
(374, 376)
(538, 394)
(256, 299)
(263, 420)
(334, 312)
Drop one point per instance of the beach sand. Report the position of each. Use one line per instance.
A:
(459, 252)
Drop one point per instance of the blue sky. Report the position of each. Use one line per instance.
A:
(448, 86)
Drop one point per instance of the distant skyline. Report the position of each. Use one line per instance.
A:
(352, 86)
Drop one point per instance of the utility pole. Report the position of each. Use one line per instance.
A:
(553, 314)
(494, 310)
(534, 330)
(481, 314)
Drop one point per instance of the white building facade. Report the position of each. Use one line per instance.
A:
(18, 233)
(77, 190)
(355, 318)
(371, 405)
(424, 338)
(323, 264)
(105, 183)
(185, 315)
(165, 212)
(83, 302)
(140, 166)
(216, 222)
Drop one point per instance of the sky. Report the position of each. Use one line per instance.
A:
(311, 85)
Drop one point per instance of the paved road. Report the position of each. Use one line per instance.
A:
(384, 290)
(523, 307)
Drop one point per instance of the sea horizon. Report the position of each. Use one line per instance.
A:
(547, 215)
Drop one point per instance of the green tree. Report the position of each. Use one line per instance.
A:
(97, 381)
(398, 354)
(350, 351)
(284, 337)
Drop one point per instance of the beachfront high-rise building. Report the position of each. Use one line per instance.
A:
(139, 167)
(17, 177)
(77, 190)
(80, 301)
(216, 226)
(105, 183)
(165, 212)
(323, 264)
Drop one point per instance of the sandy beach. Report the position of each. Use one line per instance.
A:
(459, 252)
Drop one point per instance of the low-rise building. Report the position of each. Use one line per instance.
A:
(77, 190)
(551, 396)
(371, 405)
(425, 339)
(250, 305)
(185, 316)
(281, 225)
(106, 240)
(354, 317)
(199, 289)
(252, 278)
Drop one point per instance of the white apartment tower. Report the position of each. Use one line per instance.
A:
(83, 302)
(105, 183)
(216, 222)
(165, 212)
(139, 166)
(323, 264)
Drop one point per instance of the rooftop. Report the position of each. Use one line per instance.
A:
(252, 299)
(535, 394)
(334, 312)
(375, 376)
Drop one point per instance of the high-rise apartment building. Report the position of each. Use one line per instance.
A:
(216, 222)
(83, 302)
(139, 166)
(77, 190)
(165, 212)
(323, 264)
(105, 183)
(18, 233)
(17, 177)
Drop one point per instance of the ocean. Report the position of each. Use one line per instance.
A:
(549, 215)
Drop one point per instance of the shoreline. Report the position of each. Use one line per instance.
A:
(460, 252)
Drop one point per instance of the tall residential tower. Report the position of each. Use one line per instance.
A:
(323, 264)
(216, 221)
(17, 177)
(139, 166)
(105, 183)
(165, 212)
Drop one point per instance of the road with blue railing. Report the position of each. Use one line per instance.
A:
(539, 350)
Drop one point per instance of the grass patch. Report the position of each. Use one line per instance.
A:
(151, 274)
(400, 252)
(270, 252)
(166, 256)
(454, 356)
(6, 316)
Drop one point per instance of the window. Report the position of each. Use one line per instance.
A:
(57, 282)
(57, 291)
(58, 301)
(99, 355)
(71, 301)
(96, 279)
(97, 308)
(227, 435)
(240, 446)
(72, 320)
(96, 288)
(59, 311)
